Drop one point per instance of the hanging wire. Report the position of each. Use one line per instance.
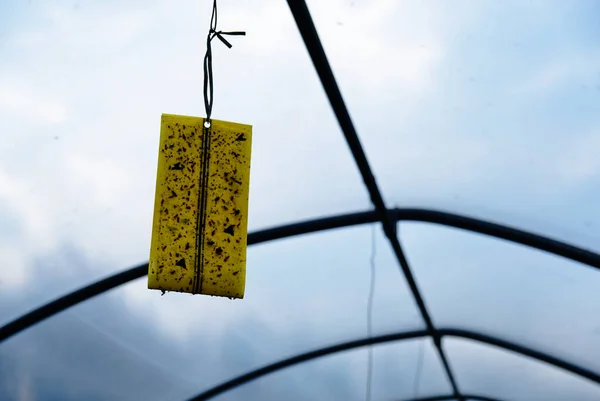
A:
(370, 313)
(208, 71)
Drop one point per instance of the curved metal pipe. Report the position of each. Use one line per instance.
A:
(305, 357)
(447, 332)
(311, 226)
(522, 350)
(451, 397)
(495, 230)
(73, 298)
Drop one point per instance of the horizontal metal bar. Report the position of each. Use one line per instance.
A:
(312, 226)
(445, 332)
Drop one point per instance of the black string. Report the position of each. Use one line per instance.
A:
(208, 73)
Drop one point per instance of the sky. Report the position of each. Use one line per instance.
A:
(489, 109)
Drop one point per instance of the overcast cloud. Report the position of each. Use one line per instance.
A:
(485, 108)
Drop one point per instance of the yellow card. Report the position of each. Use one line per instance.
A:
(200, 225)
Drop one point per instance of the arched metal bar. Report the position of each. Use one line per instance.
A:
(449, 397)
(522, 350)
(444, 332)
(312, 226)
(305, 357)
(71, 299)
(499, 231)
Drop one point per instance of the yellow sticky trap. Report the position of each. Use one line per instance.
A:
(199, 232)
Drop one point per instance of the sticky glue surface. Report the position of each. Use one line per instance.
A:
(200, 225)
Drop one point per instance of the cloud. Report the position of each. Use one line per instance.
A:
(18, 100)
(324, 292)
(578, 164)
(528, 379)
(14, 271)
(377, 49)
(569, 70)
(104, 151)
(507, 290)
(25, 229)
(100, 349)
(432, 93)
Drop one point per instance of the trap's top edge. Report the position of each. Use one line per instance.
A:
(230, 123)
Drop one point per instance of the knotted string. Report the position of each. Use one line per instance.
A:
(208, 72)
